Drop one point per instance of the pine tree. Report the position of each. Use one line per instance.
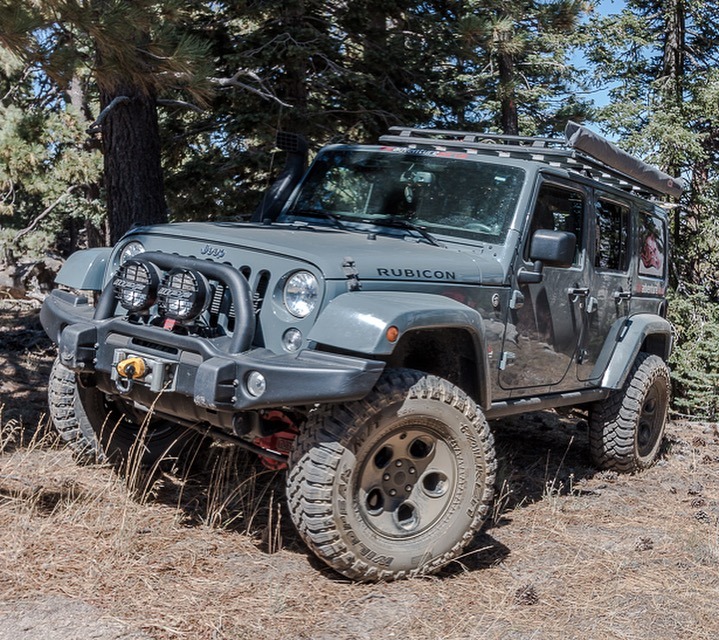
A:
(518, 53)
(659, 60)
(135, 56)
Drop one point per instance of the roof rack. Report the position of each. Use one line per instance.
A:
(582, 151)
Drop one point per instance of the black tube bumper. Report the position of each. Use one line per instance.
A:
(198, 368)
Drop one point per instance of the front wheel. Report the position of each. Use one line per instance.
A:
(395, 484)
(626, 429)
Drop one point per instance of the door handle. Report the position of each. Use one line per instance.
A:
(622, 295)
(578, 292)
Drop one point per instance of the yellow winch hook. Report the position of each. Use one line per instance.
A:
(133, 367)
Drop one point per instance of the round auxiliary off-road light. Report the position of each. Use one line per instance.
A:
(135, 285)
(183, 295)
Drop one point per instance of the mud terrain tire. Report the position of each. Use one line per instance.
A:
(626, 429)
(96, 431)
(395, 484)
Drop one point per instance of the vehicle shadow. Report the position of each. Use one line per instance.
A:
(539, 454)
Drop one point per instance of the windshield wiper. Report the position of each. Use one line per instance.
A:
(316, 213)
(403, 223)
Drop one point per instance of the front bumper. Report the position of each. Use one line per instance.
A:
(200, 369)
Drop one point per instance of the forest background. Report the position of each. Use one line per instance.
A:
(114, 112)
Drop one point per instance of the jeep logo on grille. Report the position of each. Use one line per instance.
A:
(213, 252)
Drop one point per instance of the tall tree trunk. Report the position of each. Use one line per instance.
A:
(133, 173)
(509, 117)
(673, 54)
(293, 86)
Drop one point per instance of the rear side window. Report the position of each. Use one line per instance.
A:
(612, 235)
(652, 245)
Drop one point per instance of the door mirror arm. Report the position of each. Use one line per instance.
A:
(533, 276)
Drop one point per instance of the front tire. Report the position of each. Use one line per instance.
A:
(395, 484)
(626, 429)
(98, 431)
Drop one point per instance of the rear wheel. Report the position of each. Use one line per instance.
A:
(96, 429)
(395, 484)
(626, 429)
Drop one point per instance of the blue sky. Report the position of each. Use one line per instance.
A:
(605, 7)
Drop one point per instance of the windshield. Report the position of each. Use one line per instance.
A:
(443, 195)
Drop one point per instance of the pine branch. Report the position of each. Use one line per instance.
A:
(48, 210)
(263, 91)
(26, 72)
(179, 103)
(96, 126)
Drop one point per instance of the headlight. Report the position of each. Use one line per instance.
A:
(300, 293)
(184, 294)
(130, 250)
(135, 285)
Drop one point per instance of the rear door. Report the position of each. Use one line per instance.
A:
(610, 278)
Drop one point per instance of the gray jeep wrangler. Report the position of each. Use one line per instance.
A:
(376, 311)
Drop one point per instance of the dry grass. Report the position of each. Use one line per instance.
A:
(569, 553)
(573, 555)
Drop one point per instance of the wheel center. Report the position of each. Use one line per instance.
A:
(399, 478)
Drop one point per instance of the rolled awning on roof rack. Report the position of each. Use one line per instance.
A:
(601, 149)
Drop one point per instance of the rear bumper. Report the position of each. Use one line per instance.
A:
(196, 368)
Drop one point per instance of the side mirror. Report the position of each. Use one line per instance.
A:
(551, 248)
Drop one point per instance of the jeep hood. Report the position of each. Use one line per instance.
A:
(376, 256)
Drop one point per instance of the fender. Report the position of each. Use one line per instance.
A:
(624, 342)
(358, 322)
(85, 270)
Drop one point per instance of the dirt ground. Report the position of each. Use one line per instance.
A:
(569, 552)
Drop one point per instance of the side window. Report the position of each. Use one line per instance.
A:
(652, 244)
(612, 229)
(559, 209)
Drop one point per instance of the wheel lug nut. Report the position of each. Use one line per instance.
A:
(393, 492)
(412, 470)
(385, 476)
(408, 488)
(398, 463)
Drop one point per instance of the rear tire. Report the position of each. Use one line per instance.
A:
(396, 484)
(99, 431)
(626, 429)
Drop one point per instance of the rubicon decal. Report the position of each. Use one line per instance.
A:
(424, 274)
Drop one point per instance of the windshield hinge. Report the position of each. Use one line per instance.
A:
(352, 275)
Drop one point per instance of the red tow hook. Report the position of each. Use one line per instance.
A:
(279, 442)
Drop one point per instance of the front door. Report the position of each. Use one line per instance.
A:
(547, 320)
